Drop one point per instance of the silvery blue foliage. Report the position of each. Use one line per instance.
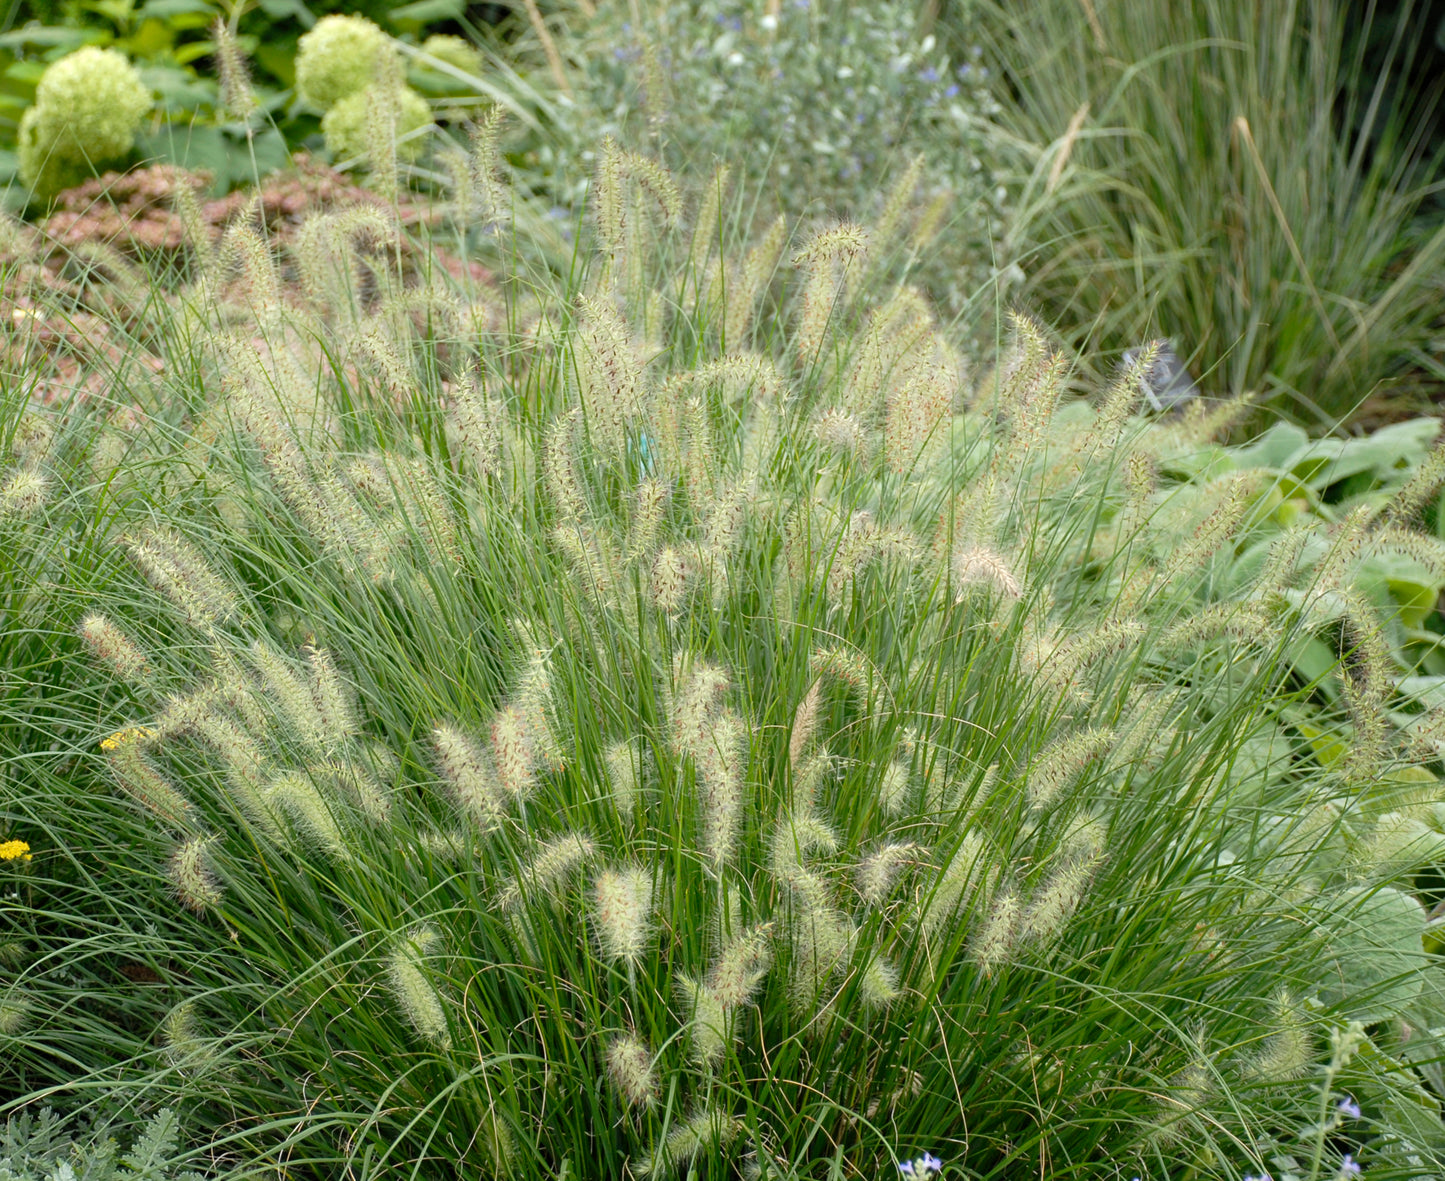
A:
(822, 106)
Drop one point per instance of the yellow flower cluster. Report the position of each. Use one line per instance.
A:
(14, 851)
(121, 737)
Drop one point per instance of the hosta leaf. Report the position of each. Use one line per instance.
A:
(1374, 953)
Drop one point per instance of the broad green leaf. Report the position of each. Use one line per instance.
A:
(1276, 448)
(1374, 953)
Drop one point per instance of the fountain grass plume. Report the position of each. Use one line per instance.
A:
(416, 995)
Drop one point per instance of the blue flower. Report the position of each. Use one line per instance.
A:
(931, 1163)
(1348, 1167)
(1348, 1108)
(929, 74)
(951, 92)
(906, 1168)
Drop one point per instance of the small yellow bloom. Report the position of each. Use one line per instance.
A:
(14, 851)
(121, 737)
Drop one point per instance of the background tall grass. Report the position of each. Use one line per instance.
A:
(1229, 176)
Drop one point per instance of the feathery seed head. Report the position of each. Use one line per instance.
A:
(631, 1069)
(708, 1021)
(838, 430)
(1062, 761)
(237, 97)
(359, 785)
(334, 699)
(877, 983)
(1000, 933)
(512, 751)
(797, 835)
(23, 493)
(1058, 898)
(810, 777)
(609, 372)
(893, 788)
(1285, 1054)
(741, 967)
(111, 645)
(826, 259)
(488, 169)
(720, 774)
(896, 204)
(16, 1006)
(805, 722)
(563, 479)
(478, 422)
(697, 700)
(242, 247)
(877, 873)
(918, 402)
(548, 869)
(932, 219)
(144, 784)
(624, 774)
(964, 877)
(417, 998)
(849, 666)
(181, 1038)
(708, 1131)
(649, 508)
(471, 780)
(621, 911)
(191, 875)
(178, 571)
(302, 799)
(289, 696)
(670, 576)
(746, 285)
(1427, 477)
(976, 565)
(704, 226)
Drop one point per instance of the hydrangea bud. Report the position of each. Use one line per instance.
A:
(345, 124)
(336, 59)
(455, 51)
(88, 107)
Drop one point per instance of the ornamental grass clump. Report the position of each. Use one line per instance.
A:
(549, 747)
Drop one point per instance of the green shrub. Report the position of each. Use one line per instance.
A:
(559, 740)
(1190, 179)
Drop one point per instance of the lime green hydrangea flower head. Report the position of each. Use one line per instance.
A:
(455, 51)
(87, 110)
(337, 59)
(345, 123)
